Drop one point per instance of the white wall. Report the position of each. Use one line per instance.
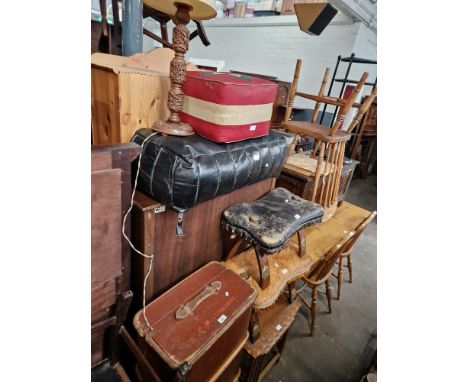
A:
(273, 50)
(271, 46)
(360, 10)
(365, 46)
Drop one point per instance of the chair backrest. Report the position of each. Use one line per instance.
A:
(362, 110)
(325, 265)
(292, 90)
(345, 105)
(321, 91)
(344, 110)
(110, 40)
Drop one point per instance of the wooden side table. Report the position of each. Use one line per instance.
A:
(260, 357)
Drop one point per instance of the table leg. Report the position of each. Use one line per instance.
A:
(254, 326)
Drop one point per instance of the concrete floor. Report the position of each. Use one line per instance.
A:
(345, 341)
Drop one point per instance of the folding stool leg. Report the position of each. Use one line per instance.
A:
(313, 310)
(340, 278)
(301, 242)
(264, 269)
(328, 289)
(235, 248)
(350, 268)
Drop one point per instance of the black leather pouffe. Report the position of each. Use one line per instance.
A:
(181, 172)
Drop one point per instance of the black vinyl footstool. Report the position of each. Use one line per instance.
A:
(269, 222)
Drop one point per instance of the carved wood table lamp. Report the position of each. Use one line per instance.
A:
(182, 12)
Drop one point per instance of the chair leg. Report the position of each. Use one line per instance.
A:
(350, 268)
(340, 278)
(329, 297)
(313, 310)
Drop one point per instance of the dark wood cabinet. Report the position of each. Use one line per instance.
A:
(175, 257)
(110, 272)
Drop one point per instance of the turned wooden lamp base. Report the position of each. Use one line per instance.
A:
(175, 100)
(173, 128)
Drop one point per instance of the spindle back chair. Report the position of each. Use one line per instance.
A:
(321, 271)
(347, 253)
(329, 142)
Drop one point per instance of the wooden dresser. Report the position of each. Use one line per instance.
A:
(110, 262)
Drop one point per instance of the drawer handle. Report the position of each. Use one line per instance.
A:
(186, 310)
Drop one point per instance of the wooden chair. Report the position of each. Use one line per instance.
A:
(105, 37)
(328, 151)
(347, 254)
(322, 270)
(367, 134)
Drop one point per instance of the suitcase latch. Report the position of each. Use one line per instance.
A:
(180, 220)
(159, 209)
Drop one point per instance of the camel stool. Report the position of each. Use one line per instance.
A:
(268, 223)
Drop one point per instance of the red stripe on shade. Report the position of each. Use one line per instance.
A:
(225, 133)
(228, 77)
(230, 93)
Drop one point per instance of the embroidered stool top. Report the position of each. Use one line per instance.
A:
(269, 222)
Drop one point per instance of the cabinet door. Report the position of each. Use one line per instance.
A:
(106, 247)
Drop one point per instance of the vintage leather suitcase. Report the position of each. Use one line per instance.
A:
(228, 107)
(181, 172)
(199, 327)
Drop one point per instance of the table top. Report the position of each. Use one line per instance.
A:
(286, 265)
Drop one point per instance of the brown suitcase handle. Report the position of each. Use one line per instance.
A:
(186, 310)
